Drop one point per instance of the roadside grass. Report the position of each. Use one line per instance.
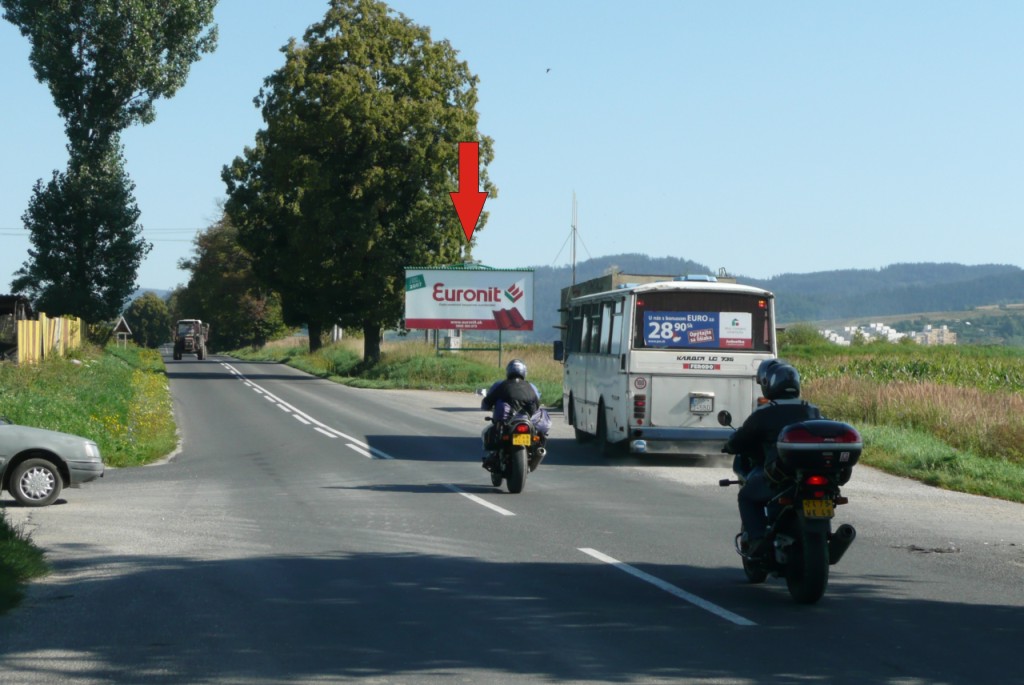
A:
(923, 457)
(414, 364)
(117, 396)
(20, 562)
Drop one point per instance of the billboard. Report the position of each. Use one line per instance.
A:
(469, 299)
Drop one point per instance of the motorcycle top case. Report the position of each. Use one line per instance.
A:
(821, 445)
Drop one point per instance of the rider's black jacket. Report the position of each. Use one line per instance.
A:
(516, 393)
(755, 439)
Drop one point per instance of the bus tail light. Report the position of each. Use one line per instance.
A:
(639, 408)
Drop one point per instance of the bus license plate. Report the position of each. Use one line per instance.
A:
(702, 405)
(521, 439)
(819, 508)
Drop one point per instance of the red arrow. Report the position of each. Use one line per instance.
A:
(469, 201)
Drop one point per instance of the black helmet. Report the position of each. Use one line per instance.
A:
(783, 383)
(515, 369)
(763, 369)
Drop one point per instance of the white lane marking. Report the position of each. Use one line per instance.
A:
(360, 450)
(669, 588)
(478, 500)
(318, 429)
(270, 399)
(317, 425)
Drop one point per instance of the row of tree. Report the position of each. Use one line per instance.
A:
(348, 183)
(222, 291)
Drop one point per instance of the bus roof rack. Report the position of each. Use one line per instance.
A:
(697, 277)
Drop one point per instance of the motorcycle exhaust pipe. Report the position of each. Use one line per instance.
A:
(840, 542)
(538, 456)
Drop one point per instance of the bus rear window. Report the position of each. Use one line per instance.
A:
(702, 320)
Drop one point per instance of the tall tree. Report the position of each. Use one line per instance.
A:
(105, 62)
(149, 319)
(224, 292)
(349, 182)
(86, 244)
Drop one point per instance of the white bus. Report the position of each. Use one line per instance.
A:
(648, 366)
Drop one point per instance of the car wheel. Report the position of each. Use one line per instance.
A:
(35, 483)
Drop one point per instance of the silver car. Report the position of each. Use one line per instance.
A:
(36, 464)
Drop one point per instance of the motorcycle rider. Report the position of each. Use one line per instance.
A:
(509, 397)
(754, 445)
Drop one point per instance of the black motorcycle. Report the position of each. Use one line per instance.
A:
(518, 450)
(814, 459)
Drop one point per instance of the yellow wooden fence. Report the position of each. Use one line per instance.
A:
(40, 339)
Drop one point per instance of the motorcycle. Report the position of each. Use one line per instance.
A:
(815, 458)
(518, 450)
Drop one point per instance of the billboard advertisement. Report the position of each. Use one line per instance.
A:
(469, 299)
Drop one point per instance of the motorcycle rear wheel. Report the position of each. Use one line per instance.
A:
(807, 571)
(517, 470)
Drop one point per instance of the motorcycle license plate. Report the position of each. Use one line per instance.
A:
(522, 439)
(819, 508)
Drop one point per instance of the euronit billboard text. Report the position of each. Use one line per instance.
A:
(469, 299)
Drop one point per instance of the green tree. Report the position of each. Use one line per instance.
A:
(349, 182)
(105, 62)
(224, 292)
(149, 319)
(86, 244)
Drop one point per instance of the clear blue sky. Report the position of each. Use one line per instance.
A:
(766, 138)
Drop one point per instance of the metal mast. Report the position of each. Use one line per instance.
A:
(574, 237)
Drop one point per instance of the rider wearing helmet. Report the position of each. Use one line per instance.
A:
(756, 440)
(514, 395)
(763, 368)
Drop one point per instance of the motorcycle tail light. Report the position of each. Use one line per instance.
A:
(816, 480)
(522, 428)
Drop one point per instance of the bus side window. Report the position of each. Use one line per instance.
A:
(575, 330)
(606, 327)
(615, 347)
(595, 328)
(585, 330)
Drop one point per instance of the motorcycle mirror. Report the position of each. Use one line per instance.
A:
(725, 418)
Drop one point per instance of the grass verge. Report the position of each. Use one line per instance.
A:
(118, 397)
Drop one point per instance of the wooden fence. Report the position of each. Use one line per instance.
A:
(40, 339)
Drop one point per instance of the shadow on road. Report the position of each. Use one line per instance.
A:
(416, 617)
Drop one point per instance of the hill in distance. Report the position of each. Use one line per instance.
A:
(896, 290)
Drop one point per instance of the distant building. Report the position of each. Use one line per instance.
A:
(935, 336)
(881, 331)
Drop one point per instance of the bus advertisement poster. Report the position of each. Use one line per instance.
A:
(700, 330)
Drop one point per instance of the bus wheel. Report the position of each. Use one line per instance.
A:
(581, 436)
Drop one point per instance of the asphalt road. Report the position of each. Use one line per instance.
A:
(312, 533)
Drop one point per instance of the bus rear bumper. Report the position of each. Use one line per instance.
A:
(678, 440)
